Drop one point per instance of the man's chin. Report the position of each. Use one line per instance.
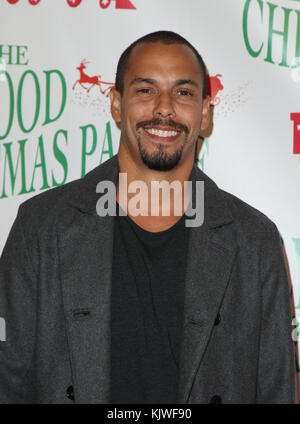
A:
(160, 166)
(160, 161)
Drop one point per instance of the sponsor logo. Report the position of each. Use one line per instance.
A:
(104, 4)
(296, 143)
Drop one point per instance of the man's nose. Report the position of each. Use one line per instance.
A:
(164, 107)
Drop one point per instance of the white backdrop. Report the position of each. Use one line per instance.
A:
(254, 46)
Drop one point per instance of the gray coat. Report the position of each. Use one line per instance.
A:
(55, 284)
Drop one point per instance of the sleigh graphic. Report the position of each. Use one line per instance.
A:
(87, 82)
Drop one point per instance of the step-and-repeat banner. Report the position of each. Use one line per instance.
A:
(57, 64)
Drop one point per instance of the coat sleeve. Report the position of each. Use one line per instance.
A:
(277, 365)
(17, 312)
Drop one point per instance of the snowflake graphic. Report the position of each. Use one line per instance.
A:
(98, 105)
(233, 100)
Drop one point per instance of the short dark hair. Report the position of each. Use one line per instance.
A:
(164, 37)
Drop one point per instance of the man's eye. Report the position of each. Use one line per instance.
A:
(184, 92)
(144, 90)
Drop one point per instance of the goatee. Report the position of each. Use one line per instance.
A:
(160, 160)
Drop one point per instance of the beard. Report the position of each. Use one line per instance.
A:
(160, 160)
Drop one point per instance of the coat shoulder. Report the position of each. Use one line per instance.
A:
(249, 219)
(223, 207)
(80, 193)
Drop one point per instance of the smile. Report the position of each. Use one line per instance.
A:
(161, 133)
(165, 134)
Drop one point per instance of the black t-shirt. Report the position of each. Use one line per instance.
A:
(147, 312)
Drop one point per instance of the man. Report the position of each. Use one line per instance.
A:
(144, 307)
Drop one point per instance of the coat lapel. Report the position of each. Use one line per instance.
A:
(211, 254)
(85, 250)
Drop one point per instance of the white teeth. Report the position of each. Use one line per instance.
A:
(161, 133)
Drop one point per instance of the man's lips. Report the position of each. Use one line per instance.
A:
(164, 133)
(160, 130)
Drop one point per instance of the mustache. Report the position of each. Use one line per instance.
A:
(159, 121)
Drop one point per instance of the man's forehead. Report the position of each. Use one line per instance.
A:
(158, 57)
(142, 50)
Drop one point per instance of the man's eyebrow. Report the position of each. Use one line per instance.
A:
(153, 81)
(187, 81)
(142, 80)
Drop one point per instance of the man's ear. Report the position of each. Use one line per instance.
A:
(115, 105)
(206, 115)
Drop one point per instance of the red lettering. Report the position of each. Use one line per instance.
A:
(296, 118)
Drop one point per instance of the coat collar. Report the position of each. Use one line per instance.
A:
(85, 198)
(86, 255)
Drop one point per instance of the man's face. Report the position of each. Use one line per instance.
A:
(161, 111)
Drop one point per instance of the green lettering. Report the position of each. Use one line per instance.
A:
(84, 151)
(297, 49)
(42, 164)
(9, 53)
(11, 105)
(283, 34)
(252, 52)
(20, 54)
(61, 158)
(109, 149)
(48, 119)
(37, 101)
(13, 171)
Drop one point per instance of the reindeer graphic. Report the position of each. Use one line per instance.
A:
(95, 80)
